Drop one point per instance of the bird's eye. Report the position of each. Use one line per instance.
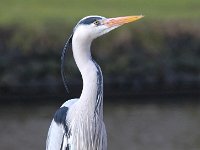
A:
(97, 22)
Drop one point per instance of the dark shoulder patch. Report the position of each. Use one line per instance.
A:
(89, 20)
(60, 115)
(67, 148)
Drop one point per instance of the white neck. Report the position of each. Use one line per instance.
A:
(88, 70)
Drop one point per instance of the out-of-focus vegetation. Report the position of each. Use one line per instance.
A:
(37, 12)
(152, 53)
(162, 50)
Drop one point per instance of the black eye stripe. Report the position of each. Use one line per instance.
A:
(89, 20)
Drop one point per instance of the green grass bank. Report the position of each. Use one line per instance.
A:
(35, 13)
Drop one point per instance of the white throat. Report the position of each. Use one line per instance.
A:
(88, 70)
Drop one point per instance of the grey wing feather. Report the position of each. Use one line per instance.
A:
(57, 138)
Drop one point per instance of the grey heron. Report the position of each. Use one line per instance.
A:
(78, 123)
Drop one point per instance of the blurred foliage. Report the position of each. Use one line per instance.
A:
(36, 13)
(152, 53)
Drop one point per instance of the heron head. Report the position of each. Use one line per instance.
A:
(92, 27)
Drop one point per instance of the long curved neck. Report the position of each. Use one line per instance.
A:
(89, 71)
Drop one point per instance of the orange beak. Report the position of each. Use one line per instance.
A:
(118, 21)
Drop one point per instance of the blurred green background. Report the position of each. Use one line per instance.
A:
(35, 12)
(161, 51)
(151, 71)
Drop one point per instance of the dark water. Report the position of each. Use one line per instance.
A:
(129, 126)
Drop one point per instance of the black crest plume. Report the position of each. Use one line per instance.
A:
(63, 57)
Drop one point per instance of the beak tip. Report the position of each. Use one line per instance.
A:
(141, 16)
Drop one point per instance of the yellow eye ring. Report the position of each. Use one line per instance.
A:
(97, 22)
